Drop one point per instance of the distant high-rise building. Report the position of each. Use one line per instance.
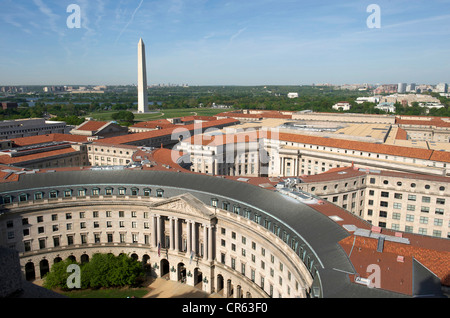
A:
(411, 87)
(142, 79)
(442, 88)
(401, 87)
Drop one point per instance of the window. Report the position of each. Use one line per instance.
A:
(225, 205)
(134, 191)
(411, 197)
(108, 191)
(411, 207)
(122, 191)
(7, 199)
(23, 197)
(438, 222)
(385, 194)
(440, 201)
(396, 216)
(397, 205)
(38, 196)
(383, 214)
(67, 193)
(147, 192)
(409, 228)
(398, 196)
(95, 191)
(409, 217)
(424, 209)
(426, 199)
(439, 211)
(159, 193)
(423, 220)
(437, 233)
(214, 202)
(53, 194)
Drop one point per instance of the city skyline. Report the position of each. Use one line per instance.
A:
(202, 42)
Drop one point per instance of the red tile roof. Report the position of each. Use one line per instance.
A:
(40, 139)
(6, 159)
(408, 152)
(92, 125)
(166, 132)
(153, 124)
(401, 134)
(424, 121)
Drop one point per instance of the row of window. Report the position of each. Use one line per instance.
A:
(243, 253)
(411, 197)
(412, 185)
(54, 194)
(408, 217)
(84, 240)
(410, 229)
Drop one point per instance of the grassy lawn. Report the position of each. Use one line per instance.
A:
(108, 293)
(162, 114)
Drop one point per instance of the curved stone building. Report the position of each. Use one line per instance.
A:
(222, 236)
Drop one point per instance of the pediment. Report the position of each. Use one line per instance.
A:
(185, 204)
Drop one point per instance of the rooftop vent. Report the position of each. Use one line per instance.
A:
(380, 245)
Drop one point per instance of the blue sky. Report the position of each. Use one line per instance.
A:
(225, 42)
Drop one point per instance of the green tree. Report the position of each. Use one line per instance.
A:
(58, 276)
(123, 116)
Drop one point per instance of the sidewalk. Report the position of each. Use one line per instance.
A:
(162, 288)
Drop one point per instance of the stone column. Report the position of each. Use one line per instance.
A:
(205, 242)
(171, 240)
(194, 239)
(188, 237)
(210, 243)
(158, 235)
(154, 242)
(177, 236)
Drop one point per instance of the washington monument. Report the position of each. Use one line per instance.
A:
(142, 79)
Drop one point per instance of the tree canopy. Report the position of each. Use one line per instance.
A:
(103, 270)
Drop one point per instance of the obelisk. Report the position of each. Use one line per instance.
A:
(142, 79)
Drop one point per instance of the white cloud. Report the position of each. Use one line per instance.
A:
(52, 17)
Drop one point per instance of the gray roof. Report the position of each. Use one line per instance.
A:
(320, 234)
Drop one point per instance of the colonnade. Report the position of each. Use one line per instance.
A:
(183, 236)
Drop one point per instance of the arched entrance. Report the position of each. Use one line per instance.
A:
(84, 258)
(57, 260)
(164, 267)
(239, 293)
(181, 270)
(198, 278)
(44, 267)
(219, 284)
(229, 288)
(73, 258)
(134, 256)
(30, 274)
